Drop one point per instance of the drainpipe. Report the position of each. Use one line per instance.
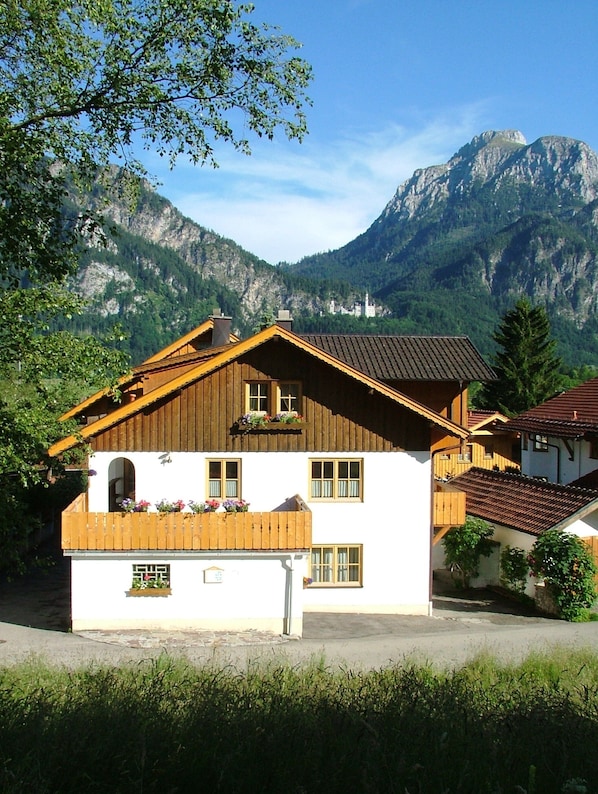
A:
(436, 452)
(288, 595)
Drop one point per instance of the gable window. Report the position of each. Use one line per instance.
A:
(464, 455)
(340, 566)
(336, 479)
(258, 397)
(272, 397)
(488, 451)
(540, 443)
(224, 479)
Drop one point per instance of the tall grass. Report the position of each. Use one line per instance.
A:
(167, 726)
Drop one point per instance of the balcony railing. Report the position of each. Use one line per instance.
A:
(449, 508)
(253, 531)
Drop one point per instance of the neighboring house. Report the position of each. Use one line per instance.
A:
(340, 489)
(489, 446)
(522, 508)
(559, 439)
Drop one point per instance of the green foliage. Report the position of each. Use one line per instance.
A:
(526, 366)
(404, 728)
(564, 561)
(465, 545)
(514, 569)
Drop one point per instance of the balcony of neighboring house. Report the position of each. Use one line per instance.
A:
(289, 530)
(448, 509)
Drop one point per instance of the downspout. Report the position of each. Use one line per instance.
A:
(288, 595)
(436, 452)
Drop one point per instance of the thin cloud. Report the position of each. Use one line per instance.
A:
(286, 202)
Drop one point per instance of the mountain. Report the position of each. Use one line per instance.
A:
(452, 250)
(159, 274)
(458, 243)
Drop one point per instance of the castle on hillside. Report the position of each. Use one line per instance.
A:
(359, 309)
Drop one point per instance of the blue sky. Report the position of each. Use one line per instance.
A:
(398, 85)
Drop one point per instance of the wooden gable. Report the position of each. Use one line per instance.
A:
(340, 414)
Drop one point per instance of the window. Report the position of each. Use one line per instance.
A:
(488, 451)
(336, 479)
(257, 397)
(272, 397)
(465, 454)
(149, 575)
(593, 448)
(336, 565)
(288, 397)
(224, 479)
(540, 443)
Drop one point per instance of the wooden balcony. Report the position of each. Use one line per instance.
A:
(273, 531)
(448, 507)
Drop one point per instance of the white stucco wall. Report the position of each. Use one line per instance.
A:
(261, 592)
(555, 463)
(392, 522)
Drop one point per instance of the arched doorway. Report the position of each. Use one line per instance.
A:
(121, 483)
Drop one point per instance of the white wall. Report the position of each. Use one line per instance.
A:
(555, 463)
(256, 592)
(392, 522)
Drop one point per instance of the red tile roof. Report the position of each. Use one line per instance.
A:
(392, 358)
(523, 503)
(572, 414)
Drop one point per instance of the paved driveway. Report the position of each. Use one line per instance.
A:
(34, 620)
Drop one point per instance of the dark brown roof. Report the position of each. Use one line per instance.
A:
(523, 503)
(568, 415)
(392, 358)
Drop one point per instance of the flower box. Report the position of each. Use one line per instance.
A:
(150, 591)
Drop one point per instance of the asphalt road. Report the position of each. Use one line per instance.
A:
(34, 622)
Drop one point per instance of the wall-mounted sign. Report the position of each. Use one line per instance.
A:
(213, 575)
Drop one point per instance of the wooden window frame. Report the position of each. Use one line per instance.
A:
(335, 479)
(223, 479)
(271, 403)
(488, 451)
(335, 566)
(465, 454)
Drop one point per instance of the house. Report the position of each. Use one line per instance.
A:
(489, 446)
(335, 462)
(521, 508)
(559, 439)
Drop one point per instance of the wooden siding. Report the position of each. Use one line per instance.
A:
(275, 531)
(592, 543)
(341, 414)
(448, 508)
(501, 460)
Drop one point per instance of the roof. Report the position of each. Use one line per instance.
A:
(230, 353)
(392, 358)
(169, 356)
(476, 420)
(523, 503)
(570, 414)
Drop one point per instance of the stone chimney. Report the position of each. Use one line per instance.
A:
(284, 319)
(221, 329)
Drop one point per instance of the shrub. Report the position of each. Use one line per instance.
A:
(464, 545)
(565, 562)
(514, 569)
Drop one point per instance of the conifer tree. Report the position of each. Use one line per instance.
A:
(527, 368)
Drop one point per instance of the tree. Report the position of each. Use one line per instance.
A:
(84, 83)
(465, 545)
(527, 369)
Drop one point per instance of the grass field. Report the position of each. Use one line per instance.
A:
(167, 726)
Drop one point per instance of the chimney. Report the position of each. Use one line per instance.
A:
(221, 329)
(284, 319)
